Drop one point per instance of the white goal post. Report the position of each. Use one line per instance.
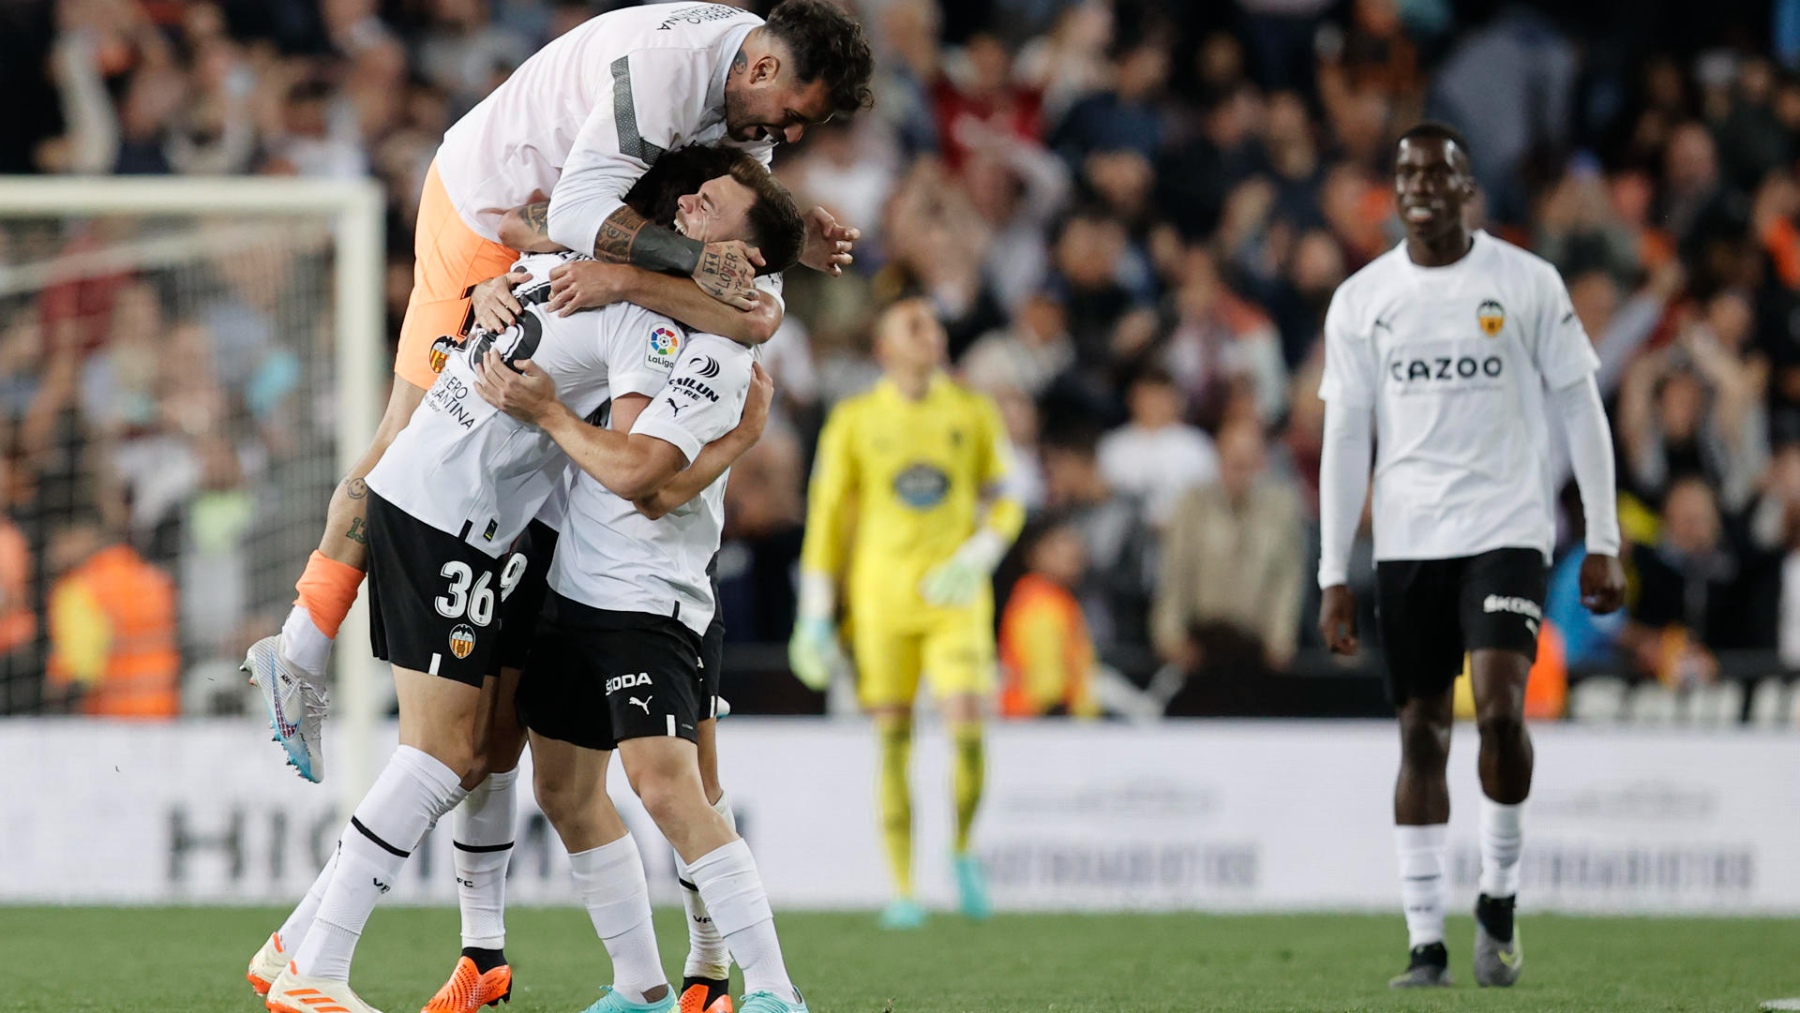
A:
(348, 215)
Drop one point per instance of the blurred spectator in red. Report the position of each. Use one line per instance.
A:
(1232, 556)
(1046, 655)
(976, 95)
(112, 628)
(18, 621)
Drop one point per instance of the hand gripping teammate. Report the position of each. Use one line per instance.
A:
(580, 121)
(462, 483)
(1451, 348)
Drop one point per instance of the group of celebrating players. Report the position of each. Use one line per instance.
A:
(539, 511)
(599, 254)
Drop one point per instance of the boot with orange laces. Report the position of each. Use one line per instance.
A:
(482, 978)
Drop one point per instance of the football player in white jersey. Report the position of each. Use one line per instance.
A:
(1448, 352)
(462, 483)
(484, 821)
(615, 666)
(580, 121)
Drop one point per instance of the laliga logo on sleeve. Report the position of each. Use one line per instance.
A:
(1491, 316)
(664, 343)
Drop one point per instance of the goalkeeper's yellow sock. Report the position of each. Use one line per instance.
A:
(971, 769)
(896, 800)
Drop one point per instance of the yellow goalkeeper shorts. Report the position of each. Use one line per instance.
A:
(953, 650)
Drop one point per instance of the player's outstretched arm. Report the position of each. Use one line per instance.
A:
(631, 466)
(719, 455)
(588, 284)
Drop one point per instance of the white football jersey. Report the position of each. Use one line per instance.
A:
(465, 467)
(584, 117)
(1455, 362)
(612, 557)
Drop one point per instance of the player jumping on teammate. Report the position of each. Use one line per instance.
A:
(1453, 348)
(580, 121)
(463, 482)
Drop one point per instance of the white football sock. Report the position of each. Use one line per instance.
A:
(733, 891)
(484, 842)
(304, 644)
(1422, 884)
(299, 922)
(414, 789)
(707, 955)
(610, 879)
(1502, 839)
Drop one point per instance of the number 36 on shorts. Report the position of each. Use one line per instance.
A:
(476, 603)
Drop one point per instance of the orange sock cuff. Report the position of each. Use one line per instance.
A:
(327, 590)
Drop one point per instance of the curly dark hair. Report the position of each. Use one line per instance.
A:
(776, 228)
(827, 42)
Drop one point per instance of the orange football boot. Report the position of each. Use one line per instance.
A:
(469, 989)
(700, 995)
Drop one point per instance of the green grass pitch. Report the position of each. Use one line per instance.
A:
(191, 960)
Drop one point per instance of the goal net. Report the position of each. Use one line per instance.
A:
(187, 366)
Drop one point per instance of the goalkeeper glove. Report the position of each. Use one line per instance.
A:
(813, 652)
(955, 582)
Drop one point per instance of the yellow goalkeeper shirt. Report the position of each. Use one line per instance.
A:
(897, 488)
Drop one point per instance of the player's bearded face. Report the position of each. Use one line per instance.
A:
(718, 211)
(776, 109)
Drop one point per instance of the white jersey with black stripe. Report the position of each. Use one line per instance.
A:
(465, 467)
(612, 557)
(590, 112)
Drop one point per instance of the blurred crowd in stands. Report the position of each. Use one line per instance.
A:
(1130, 217)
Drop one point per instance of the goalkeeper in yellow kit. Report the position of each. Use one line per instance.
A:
(906, 513)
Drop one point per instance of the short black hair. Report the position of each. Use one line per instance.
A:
(826, 42)
(776, 228)
(1432, 130)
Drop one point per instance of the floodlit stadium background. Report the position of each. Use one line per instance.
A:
(1093, 195)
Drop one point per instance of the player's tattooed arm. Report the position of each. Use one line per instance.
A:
(356, 488)
(724, 270)
(526, 228)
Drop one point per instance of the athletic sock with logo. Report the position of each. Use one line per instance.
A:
(1502, 840)
(707, 955)
(484, 843)
(610, 879)
(414, 789)
(728, 880)
(299, 922)
(1422, 853)
(303, 644)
